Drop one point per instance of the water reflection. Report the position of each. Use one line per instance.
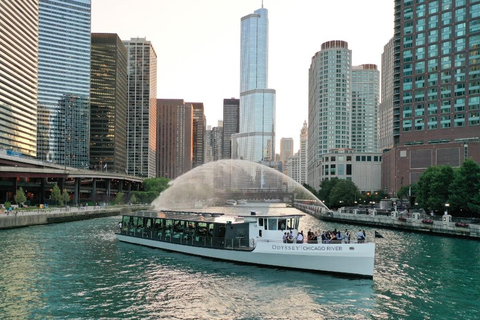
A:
(80, 271)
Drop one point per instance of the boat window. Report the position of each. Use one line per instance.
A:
(178, 226)
(127, 221)
(282, 223)
(260, 222)
(272, 224)
(159, 224)
(168, 224)
(148, 223)
(202, 228)
(210, 229)
(221, 231)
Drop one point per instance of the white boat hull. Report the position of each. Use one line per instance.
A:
(354, 259)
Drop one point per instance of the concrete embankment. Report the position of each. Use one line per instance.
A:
(415, 223)
(31, 218)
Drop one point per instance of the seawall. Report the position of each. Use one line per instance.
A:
(415, 223)
(39, 217)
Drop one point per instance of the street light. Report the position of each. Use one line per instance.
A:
(446, 208)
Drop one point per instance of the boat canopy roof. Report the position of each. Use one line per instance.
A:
(209, 216)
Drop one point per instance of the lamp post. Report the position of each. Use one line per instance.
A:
(446, 208)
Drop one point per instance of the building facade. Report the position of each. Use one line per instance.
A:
(365, 101)
(63, 130)
(175, 137)
(231, 116)
(256, 138)
(108, 103)
(19, 77)
(286, 149)
(436, 85)
(199, 129)
(329, 105)
(213, 142)
(385, 109)
(141, 108)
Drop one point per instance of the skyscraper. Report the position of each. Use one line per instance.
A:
(365, 100)
(303, 153)
(286, 148)
(436, 88)
(19, 76)
(256, 138)
(385, 109)
(64, 82)
(142, 109)
(175, 137)
(329, 106)
(199, 128)
(108, 144)
(231, 113)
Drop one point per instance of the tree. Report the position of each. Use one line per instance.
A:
(466, 179)
(56, 195)
(20, 197)
(153, 187)
(7, 205)
(133, 199)
(65, 196)
(433, 187)
(118, 198)
(343, 193)
(406, 191)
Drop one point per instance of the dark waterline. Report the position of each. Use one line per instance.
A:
(79, 270)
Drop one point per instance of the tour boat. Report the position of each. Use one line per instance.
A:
(250, 239)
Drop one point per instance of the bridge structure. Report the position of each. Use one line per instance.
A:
(37, 178)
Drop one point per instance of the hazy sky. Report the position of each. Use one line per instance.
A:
(198, 45)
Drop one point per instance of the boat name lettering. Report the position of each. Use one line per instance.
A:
(286, 248)
(307, 248)
(322, 248)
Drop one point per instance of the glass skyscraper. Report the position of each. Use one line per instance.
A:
(64, 82)
(18, 76)
(108, 142)
(256, 138)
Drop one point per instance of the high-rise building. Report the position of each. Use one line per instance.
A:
(213, 144)
(329, 106)
(365, 99)
(141, 110)
(286, 149)
(231, 113)
(256, 138)
(436, 88)
(19, 76)
(385, 109)
(63, 134)
(175, 131)
(199, 128)
(108, 103)
(302, 172)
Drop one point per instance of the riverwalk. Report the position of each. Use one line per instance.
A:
(24, 218)
(416, 222)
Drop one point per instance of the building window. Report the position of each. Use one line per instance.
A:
(459, 120)
(445, 121)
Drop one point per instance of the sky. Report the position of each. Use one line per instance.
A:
(197, 43)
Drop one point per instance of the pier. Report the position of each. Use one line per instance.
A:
(416, 222)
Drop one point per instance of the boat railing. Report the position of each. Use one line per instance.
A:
(189, 238)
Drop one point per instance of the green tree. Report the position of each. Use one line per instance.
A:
(57, 195)
(406, 191)
(133, 199)
(65, 196)
(118, 198)
(152, 189)
(325, 189)
(7, 205)
(20, 197)
(433, 187)
(343, 193)
(466, 179)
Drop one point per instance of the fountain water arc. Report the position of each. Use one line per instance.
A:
(208, 183)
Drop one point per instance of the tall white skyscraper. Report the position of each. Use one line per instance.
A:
(329, 106)
(142, 108)
(256, 138)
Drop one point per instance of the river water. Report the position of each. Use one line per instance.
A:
(78, 270)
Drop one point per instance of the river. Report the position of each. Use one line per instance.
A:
(78, 270)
